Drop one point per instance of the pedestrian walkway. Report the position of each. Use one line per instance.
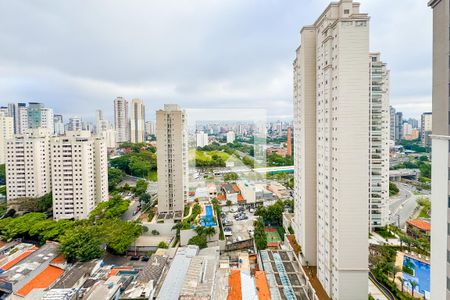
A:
(375, 292)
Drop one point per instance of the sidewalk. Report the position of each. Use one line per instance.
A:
(375, 292)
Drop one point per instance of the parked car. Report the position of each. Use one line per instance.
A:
(135, 257)
(145, 258)
(233, 209)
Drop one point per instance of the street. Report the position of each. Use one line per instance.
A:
(403, 205)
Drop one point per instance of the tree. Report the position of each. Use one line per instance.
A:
(393, 189)
(232, 176)
(199, 240)
(141, 187)
(145, 198)
(402, 280)
(118, 235)
(45, 203)
(115, 176)
(163, 245)
(2, 174)
(260, 235)
(81, 243)
(413, 284)
(20, 226)
(229, 202)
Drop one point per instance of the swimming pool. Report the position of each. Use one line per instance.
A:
(208, 219)
(421, 273)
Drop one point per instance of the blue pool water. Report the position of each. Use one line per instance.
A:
(208, 219)
(421, 274)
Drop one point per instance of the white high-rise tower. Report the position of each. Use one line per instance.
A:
(137, 121)
(121, 122)
(331, 119)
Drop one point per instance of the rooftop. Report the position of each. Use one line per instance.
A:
(75, 273)
(42, 280)
(173, 283)
(420, 224)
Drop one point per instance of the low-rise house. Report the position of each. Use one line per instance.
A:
(418, 228)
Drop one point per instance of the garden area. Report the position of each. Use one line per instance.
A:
(79, 240)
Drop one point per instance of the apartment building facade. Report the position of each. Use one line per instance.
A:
(331, 113)
(426, 128)
(137, 121)
(440, 139)
(73, 167)
(172, 161)
(379, 131)
(79, 174)
(6, 133)
(121, 121)
(28, 173)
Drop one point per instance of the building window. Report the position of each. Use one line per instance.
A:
(346, 11)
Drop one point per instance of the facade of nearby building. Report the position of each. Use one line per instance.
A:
(172, 160)
(79, 174)
(137, 121)
(202, 139)
(28, 165)
(6, 133)
(110, 136)
(121, 122)
(426, 127)
(379, 130)
(440, 194)
(331, 101)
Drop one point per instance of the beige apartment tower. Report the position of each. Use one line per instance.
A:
(440, 141)
(6, 133)
(137, 121)
(28, 172)
(331, 113)
(172, 161)
(79, 169)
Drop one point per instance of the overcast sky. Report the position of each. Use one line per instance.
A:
(77, 56)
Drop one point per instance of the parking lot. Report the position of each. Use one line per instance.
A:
(241, 230)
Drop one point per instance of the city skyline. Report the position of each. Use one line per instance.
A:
(259, 77)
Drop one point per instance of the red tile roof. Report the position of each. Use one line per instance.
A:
(421, 224)
(221, 197)
(43, 280)
(240, 198)
(262, 286)
(235, 292)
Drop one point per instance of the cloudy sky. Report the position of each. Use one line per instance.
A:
(77, 56)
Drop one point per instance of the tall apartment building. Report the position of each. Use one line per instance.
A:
(231, 136)
(150, 128)
(202, 139)
(101, 124)
(392, 123)
(172, 161)
(440, 193)
(426, 126)
(58, 123)
(6, 133)
(379, 131)
(121, 122)
(28, 165)
(75, 124)
(79, 174)
(137, 121)
(34, 114)
(12, 112)
(47, 119)
(398, 126)
(331, 113)
(22, 120)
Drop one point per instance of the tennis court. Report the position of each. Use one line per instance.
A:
(273, 238)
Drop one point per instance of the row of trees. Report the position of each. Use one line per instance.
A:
(140, 164)
(393, 189)
(79, 240)
(276, 160)
(201, 239)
